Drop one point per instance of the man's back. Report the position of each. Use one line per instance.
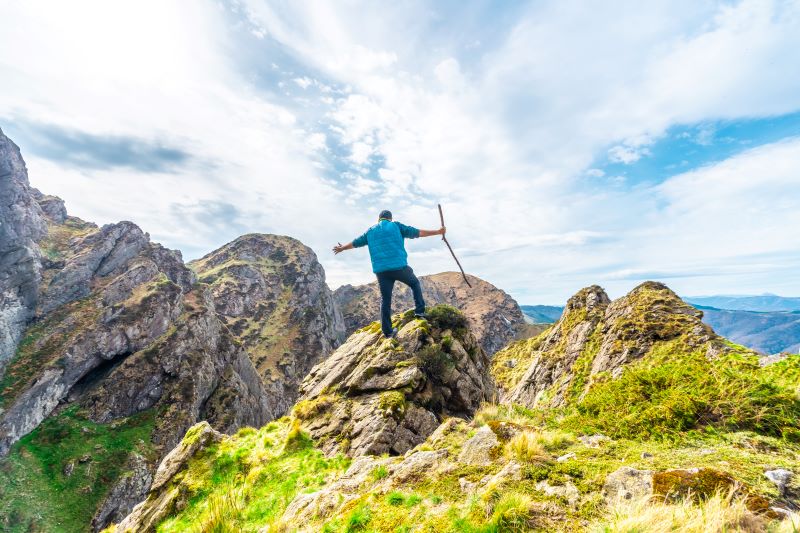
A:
(385, 242)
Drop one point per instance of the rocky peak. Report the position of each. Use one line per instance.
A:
(594, 336)
(494, 317)
(270, 291)
(592, 299)
(375, 395)
(22, 222)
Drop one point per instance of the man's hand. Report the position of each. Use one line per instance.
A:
(442, 231)
(339, 248)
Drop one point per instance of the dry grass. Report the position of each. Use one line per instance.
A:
(718, 514)
(526, 447)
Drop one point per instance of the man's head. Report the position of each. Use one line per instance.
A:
(385, 214)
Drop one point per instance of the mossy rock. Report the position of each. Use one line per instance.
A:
(308, 409)
(697, 483)
(393, 404)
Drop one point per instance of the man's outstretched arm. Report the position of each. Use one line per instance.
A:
(339, 248)
(432, 232)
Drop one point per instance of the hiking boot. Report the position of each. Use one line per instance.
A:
(390, 335)
(421, 316)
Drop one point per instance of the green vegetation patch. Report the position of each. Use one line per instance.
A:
(445, 316)
(247, 481)
(673, 390)
(55, 477)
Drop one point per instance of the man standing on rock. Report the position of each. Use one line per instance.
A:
(390, 262)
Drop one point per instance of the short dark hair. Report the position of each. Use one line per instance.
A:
(385, 214)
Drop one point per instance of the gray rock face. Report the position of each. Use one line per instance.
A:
(376, 395)
(494, 317)
(114, 322)
(628, 483)
(568, 338)
(271, 292)
(126, 493)
(22, 223)
(780, 477)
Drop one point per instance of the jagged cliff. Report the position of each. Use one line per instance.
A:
(22, 223)
(494, 317)
(270, 291)
(102, 328)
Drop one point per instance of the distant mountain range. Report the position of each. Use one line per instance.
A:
(767, 323)
(541, 314)
(767, 332)
(764, 302)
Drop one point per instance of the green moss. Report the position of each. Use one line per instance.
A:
(392, 404)
(67, 466)
(296, 438)
(308, 409)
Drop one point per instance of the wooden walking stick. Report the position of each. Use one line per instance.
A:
(441, 217)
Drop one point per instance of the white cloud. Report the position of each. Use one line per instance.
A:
(304, 82)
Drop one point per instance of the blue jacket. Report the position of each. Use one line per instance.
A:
(385, 241)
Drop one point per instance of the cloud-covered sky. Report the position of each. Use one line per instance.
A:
(569, 142)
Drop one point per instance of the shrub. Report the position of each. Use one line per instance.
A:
(512, 513)
(395, 498)
(447, 317)
(358, 519)
(380, 473)
(434, 361)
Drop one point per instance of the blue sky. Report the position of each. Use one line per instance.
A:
(569, 145)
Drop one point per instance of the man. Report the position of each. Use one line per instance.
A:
(390, 262)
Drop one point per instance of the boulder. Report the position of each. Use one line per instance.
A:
(481, 448)
(780, 477)
(628, 483)
(375, 395)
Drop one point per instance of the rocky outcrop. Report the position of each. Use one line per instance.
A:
(595, 336)
(270, 290)
(159, 503)
(375, 395)
(22, 223)
(494, 317)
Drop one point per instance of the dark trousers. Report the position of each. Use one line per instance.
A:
(386, 283)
